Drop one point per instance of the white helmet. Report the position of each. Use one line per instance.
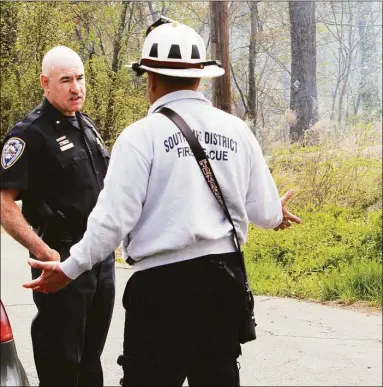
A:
(175, 50)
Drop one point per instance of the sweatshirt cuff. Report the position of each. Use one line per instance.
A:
(71, 268)
(278, 221)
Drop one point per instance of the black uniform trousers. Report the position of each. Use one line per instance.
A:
(71, 325)
(181, 322)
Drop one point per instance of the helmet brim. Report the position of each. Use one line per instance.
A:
(207, 72)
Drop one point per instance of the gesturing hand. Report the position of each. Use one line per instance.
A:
(51, 280)
(288, 217)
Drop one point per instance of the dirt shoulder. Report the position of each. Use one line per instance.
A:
(359, 306)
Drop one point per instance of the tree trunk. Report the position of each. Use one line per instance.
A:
(220, 50)
(368, 87)
(153, 13)
(110, 115)
(303, 100)
(93, 83)
(348, 60)
(334, 97)
(252, 102)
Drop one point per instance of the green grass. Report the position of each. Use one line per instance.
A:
(335, 254)
(358, 281)
(120, 260)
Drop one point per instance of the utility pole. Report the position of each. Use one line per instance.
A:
(219, 28)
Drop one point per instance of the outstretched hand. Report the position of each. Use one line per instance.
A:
(51, 279)
(288, 217)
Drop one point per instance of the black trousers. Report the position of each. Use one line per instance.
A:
(182, 322)
(71, 325)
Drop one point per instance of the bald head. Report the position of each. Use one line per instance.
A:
(63, 80)
(60, 56)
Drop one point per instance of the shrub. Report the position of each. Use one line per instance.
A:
(345, 171)
(329, 255)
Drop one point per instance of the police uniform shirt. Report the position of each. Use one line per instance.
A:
(157, 200)
(55, 158)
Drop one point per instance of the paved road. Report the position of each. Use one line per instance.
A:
(299, 344)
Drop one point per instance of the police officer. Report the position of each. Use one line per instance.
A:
(55, 162)
(183, 311)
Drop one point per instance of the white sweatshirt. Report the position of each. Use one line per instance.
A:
(156, 198)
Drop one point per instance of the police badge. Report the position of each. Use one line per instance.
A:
(12, 151)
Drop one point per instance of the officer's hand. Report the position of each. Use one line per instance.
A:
(55, 256)
(51, 279)
(288, 217)
(48, 254)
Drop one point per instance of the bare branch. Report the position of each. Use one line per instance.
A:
(239, 89)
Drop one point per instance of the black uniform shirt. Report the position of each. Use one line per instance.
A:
(50, 159)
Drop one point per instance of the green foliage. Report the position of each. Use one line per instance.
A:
(334, 253)
(330, 172)
(358, 281)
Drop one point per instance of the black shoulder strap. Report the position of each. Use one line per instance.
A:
(202, 161)
(91, 124)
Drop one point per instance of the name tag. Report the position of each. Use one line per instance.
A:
(62, 143)
(66, 147)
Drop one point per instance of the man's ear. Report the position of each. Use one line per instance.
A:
(44, 81)
(152, 82)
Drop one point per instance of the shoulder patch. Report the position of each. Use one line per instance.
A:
(12, 151)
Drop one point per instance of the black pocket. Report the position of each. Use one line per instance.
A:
(71, 156)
